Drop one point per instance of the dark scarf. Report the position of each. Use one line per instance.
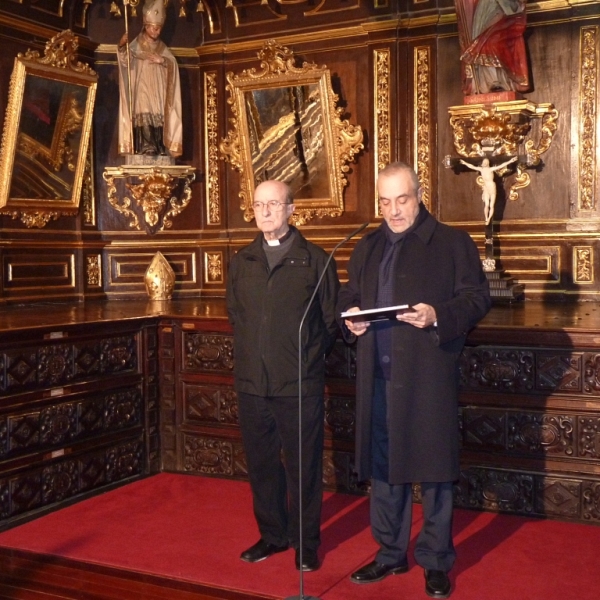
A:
(385, 294)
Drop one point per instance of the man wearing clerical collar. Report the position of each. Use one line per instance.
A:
(270, 283)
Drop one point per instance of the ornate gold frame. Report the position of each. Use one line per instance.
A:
(46, 133)
(341, 140)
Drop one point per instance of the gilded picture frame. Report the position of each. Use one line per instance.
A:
(46, 133)
(287, 126)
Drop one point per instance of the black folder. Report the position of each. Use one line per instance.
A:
(377, 314)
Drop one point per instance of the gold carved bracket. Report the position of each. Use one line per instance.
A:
(35, 218)
(286, 126)
(151, 199)
(504, 129)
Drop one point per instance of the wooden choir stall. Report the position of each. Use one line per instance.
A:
(104, 382)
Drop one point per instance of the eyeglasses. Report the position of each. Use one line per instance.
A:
(272, 204)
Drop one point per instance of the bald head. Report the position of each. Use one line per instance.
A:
(273, 206)
(274, 187)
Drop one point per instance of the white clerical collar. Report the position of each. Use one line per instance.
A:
(282, 239)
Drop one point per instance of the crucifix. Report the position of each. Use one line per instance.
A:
(501, 286)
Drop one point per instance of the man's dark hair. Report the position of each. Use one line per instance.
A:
(397, 167)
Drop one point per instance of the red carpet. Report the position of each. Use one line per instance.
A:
(194, 529)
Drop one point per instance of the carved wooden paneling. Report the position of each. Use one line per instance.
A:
(209, 404)
(541, 371)
(50, 365)
(74, 416)
(209, 456)
(92, 472)
(559, 372)
(558, 497)
(497, 369)
(205, 352)
(540, 433)
(240, 465)
(531, 434)
(124, 460)
(489, 489)
(591, 502)
(589, 436)
(530, 494)
(65, 478)
(483, 429)
(338, 472)
(151, 394)
(59, 482)
(591, 362)
(88, 358)
(168, 438)
(340, 417)
(69, 421)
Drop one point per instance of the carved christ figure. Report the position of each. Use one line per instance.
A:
(488, 185)
(150, 93)
(493, 56)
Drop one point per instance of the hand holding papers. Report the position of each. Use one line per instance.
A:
(376, 314)
(420, 315)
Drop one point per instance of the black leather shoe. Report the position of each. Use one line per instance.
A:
(260, 551)
(437, 584)
(310, 560)
(376, 571)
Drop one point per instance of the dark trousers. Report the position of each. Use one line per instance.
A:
(269, 427)
(391, 517)
(391, 505)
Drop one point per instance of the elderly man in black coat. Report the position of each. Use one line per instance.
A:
(269, 288)
(407, 373)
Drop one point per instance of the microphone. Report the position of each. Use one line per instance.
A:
(347, 238)
(329, 259)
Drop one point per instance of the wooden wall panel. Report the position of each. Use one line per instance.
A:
(52, 275)
(528, 412)
(421, 73)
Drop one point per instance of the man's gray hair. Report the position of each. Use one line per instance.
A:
(398, 167)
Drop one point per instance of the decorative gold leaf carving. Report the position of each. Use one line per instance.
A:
(122, 206)
(93, 270)
(422, 119)
(211, 157)
(502, 129)
(152, 195)
(587, 116)
(381, 61)
(583, 267)
(35, 218)
(213, 267)
(60, 52)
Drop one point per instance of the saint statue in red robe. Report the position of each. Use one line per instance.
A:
(492, 46)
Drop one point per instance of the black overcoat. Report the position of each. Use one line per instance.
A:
(265, 308)
(436, 265)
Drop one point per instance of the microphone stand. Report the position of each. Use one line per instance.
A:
(301, 595)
